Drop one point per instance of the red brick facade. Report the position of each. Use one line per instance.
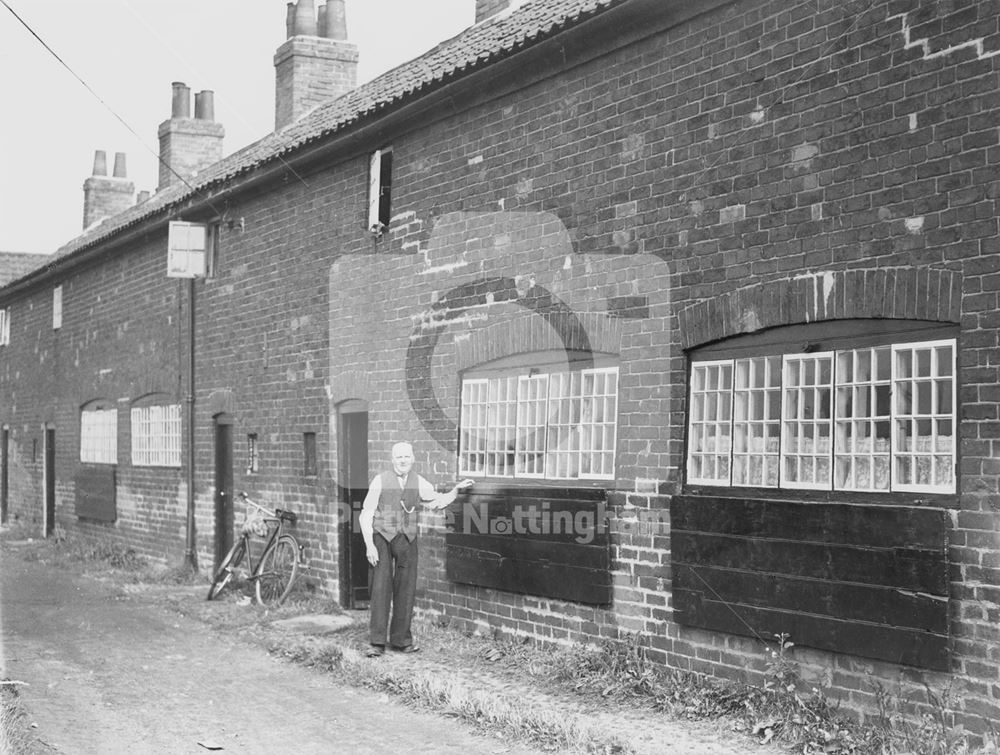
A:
(673, 183)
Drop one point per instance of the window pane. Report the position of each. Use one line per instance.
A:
(862, 404)
(99, 436)
(924, 389)
(806, 424)
(156, 436)
(710, 432)
(756, 423)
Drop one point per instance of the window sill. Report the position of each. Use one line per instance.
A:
(935, 500)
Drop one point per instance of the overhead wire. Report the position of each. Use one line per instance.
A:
(109, 108)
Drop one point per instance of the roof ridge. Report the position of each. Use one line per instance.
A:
(477, 46)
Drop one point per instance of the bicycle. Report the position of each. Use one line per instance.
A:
(274, 574)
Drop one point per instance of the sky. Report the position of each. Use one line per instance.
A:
(129, 52)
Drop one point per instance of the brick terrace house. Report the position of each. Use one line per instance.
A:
(703, 295)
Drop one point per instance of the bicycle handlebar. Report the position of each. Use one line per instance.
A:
(288, 516)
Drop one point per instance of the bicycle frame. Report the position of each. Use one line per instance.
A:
(281, 554)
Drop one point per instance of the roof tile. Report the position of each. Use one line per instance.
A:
(474, 48)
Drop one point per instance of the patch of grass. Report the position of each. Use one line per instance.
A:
(504, 716)
(16, 735)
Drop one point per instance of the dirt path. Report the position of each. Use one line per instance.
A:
(107, 675)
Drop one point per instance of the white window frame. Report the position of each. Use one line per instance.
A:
(57, 307)
(922, 405)
(556, 434)
(156, 435)
(99, 435)
(376, 189)
(5, 326)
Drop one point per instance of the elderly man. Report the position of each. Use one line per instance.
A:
(389, 520)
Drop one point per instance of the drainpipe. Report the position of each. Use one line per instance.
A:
(190, 557)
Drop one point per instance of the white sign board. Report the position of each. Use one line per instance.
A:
(186, 249)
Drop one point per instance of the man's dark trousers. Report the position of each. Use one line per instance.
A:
(394, 580)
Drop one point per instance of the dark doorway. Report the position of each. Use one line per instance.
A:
(49, 474)
(4, 474)
(353, 486)
(223, 486)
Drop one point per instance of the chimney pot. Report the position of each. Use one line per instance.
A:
(204, 105)
(181, 104)
(100, 163)
(142, 196)
(305, 18)
(320, 20)
(120, 169)
(290, 21)
(336, 20)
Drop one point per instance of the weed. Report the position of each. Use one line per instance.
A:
(15, 731)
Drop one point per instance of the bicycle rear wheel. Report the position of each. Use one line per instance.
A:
(276, 571)
(225, 571)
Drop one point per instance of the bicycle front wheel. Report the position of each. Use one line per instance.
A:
(277, 571)
(225, 571)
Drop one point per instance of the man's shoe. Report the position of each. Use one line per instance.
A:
(374, 651)
(407, 649)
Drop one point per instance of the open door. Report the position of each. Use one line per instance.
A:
(4, 472)
(223, 424)
(352, 420)
(49, 476)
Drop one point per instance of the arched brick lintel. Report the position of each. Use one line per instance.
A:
(899, 293)
(351, 384)
(527, 332)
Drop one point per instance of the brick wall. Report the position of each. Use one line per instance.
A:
(762, 164)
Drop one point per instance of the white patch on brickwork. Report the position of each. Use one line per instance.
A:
(633, 146)
(646, 485)
(913, 122)
(750, 321)
(568, 263)
(408, 245)
(817, 211)
(914, 226)
(682, 238)
(823, 285)
(803, 154)
(697, 207)
(448, 267)
(977, 45)
(757, 115)
(626, 209)
(402, 218)
(524, 187)
(475, 160)
(711, 130)
(732, 213)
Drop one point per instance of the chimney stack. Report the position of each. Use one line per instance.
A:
(105, 196)
(316, 63)
(189, 145)
(489, 8)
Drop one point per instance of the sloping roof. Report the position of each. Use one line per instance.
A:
(14, 265)
(475, 48)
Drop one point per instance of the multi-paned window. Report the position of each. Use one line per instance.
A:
(542, 424)
(99, 434)
(873, 417)
(156, 435)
